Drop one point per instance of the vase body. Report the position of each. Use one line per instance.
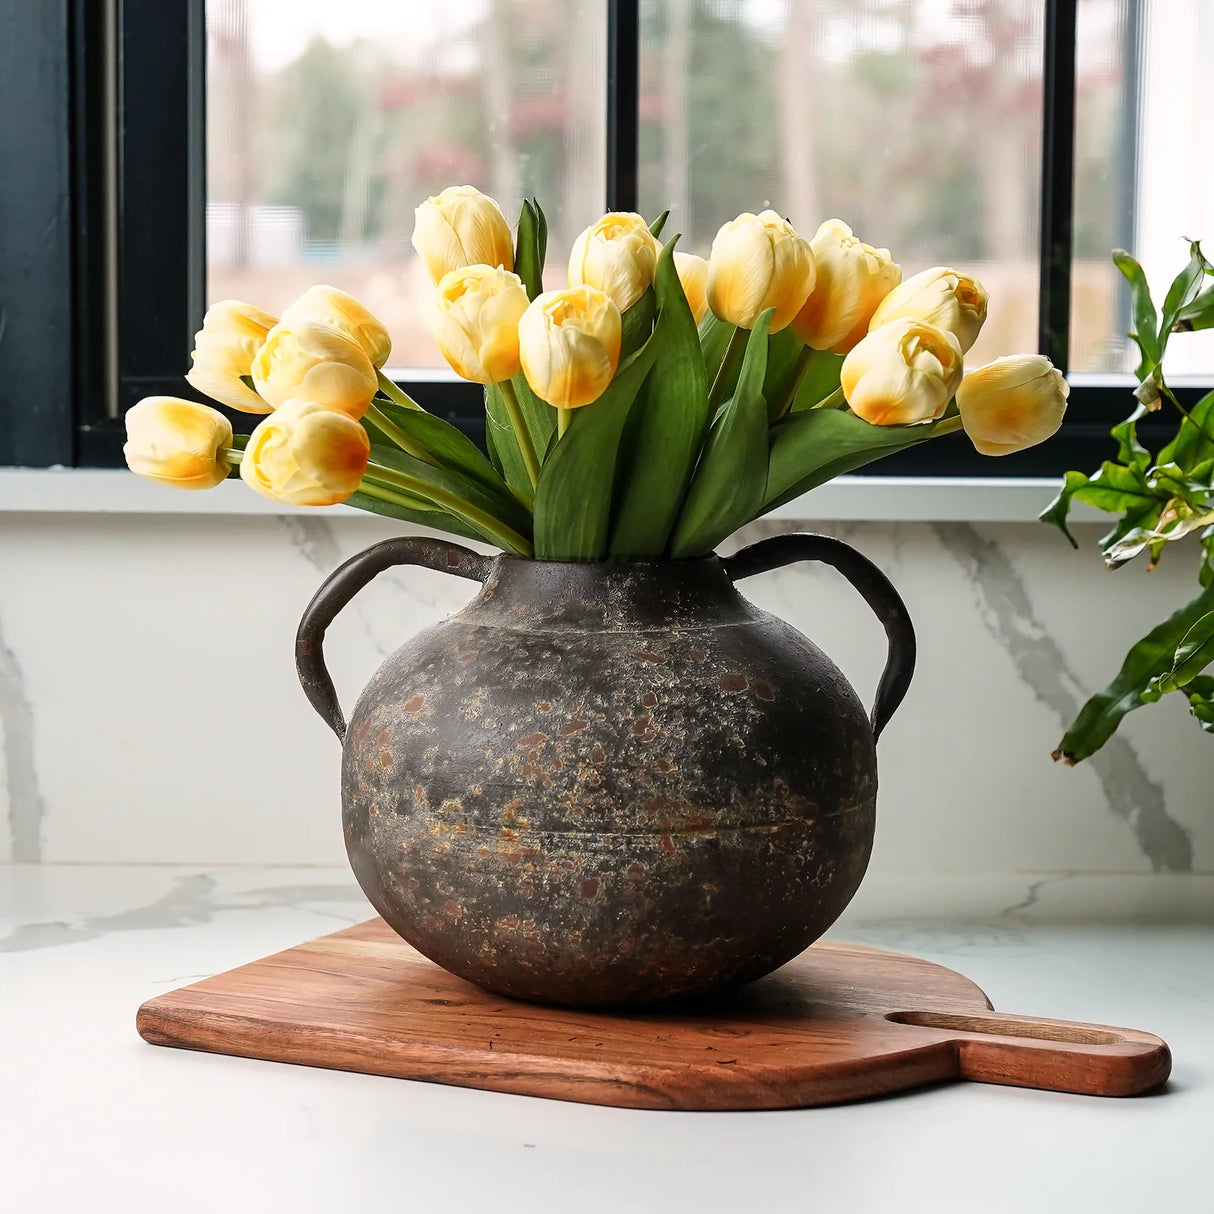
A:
(609, 784)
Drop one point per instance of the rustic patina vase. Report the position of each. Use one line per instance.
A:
(608, 783)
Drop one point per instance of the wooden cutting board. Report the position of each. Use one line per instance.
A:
(838, 1023)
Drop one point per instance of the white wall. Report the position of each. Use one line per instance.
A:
(150, 710)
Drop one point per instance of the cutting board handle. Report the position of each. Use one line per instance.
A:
(1061, 1055)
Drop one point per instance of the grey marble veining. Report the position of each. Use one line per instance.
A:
(20, 771)
(1009, 616)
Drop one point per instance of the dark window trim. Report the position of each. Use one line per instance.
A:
(95, 335)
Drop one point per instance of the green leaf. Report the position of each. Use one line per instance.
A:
(541, 237)
(1152, 656)
(636, 323)
(1115, 489)
(1129, 450)
(1180, 293)
(728, 488)
(665, 428)
(783, 351)
(1146, 323)
(1200, 694)
(820, 380)
(540, 419)
(1195, 652)
(573, 498)
(1176, 520)
(1199, 314)
(497, 502)
(1190, 447)
(440, 520)
(528, 251)
(1057, 512)
(714, 338)
(655, 228)
(449, 446)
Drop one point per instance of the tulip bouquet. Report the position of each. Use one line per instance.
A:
(647, 410)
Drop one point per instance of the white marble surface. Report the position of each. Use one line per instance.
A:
(149, 710)
(92, 1118)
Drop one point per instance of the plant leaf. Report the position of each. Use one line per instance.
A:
(655, 228)
(1190, 447)
(1146, 330)
(538, 416)
(636, 323)
(665, 428)
(573, 498)
(811, 447)
(820, 380)
(528, 256)
(450, 446)
(714, 337)
(1099, 718)
(440, 520)
(1195, 652)
(541, 237)
(1180, 294)
(499, 503)
(728, 487)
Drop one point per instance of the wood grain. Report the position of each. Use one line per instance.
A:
(839, 1023)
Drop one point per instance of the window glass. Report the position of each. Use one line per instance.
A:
(328, 121)
(1143, 178)
(918, 123)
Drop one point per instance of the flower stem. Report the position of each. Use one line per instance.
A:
(563, 418)
(390, 389)
(384, 479)
(387, 427)
(519, 425)
(233, 456)
(727, 371)
(947, 425)
(800, 369)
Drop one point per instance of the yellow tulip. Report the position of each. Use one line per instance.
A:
(852, 278)
(305, 454)
(224, 348)
(177, 442)
(475, 318)
(759, 262)
(693, 275)
(461, 227)
(1012, 403)
(569, 344)
(943, 298)
(343, 312)
(618, 254)
(314, 361)
(903, 372)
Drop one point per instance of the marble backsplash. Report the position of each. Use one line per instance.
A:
(150, 711)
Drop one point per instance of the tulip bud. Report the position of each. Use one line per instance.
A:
(315, 361)
(852, 278)
(305, 454)
(1012, 403)
(759, 262)
(475, 319)
(461, 227)
(343, 312)
(903, 372)
(943, 298)
(618, 254)
(693, 276)
(232, 332)
(177, 442)
(569, 345)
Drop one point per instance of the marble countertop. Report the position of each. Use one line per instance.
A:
(93, 1118)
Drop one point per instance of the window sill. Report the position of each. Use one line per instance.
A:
(861, 498)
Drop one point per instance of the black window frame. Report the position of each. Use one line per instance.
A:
(104, 231)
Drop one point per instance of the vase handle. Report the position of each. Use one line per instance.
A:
(343, 584)
(876, 589)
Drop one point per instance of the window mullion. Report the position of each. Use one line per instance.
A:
(623, 55)
(1057, 182)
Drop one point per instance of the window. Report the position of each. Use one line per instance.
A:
(1019, 138)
